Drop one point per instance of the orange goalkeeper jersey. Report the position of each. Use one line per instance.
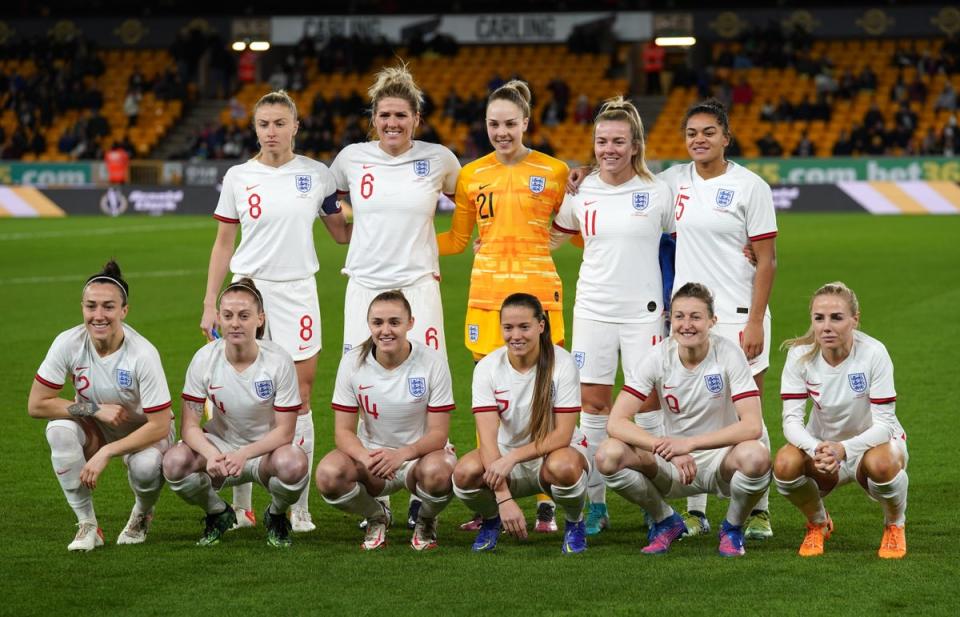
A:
(513, 206)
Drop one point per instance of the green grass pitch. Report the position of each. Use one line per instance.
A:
(903, 268)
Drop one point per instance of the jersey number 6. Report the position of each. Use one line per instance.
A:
(366, 186)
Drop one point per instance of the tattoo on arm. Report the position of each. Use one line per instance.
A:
(83, 410)
(195, 407)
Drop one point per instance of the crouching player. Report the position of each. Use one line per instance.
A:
(252, 387)
(403, 389)
(121, 408)
(711, 425)
(854, 434)
(526, 402)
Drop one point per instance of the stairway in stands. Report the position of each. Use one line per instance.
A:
(203, 113)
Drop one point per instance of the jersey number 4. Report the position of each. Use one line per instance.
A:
(371, 410)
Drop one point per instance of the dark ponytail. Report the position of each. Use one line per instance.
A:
(110, 275)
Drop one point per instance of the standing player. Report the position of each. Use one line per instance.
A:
(274, 200)
(621, 211)
(252, 386)
(720, 207)
(853, 433)
(394, 184)
(511, 195)
(712, 424)
(121, 408)
(526, 399)
(403, 390)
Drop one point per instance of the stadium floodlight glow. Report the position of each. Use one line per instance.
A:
(259, 45)
(239, 45)
(675, 41)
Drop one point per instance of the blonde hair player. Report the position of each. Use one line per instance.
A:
(720, 207)
(274, 199)
(853, 433)
(526, 399)
(394, 183)
(510, 195)
(121, 408)
(403, 391)
(712, 426)
(621, 211)
(252, 387)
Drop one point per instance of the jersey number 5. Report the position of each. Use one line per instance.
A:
(679, 205)
(485, 205)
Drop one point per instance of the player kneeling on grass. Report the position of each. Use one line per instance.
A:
(403, 390)
(854, 433)
(121, 408)
(526, 402)
(252, 388)
(712, 425)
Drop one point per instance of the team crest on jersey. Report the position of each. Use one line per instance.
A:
(124, 378)
(304, 183)
(579, 357)
(537, 184)
(858, 382)
(641, 201)
(347, 347)
(724, 197)
(714, 383)
(264, 388)
(417, 385)
(421, 167)
(473, 331)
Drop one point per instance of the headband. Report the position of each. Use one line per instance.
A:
(233, 286)
(104, 277)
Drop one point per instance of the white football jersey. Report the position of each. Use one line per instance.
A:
(853, 403)
(276, 208)
(131, 377)
(621, 225)
(714, 220)
(243, 404)
(697, 401)
(394, 199)
(395, 403)
(499, 387)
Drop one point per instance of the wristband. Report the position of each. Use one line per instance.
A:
(504, 501)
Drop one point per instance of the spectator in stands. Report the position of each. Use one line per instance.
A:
(560, 91)
(38, 143)
(877, 140)
(917, 91)
(905, 118)
(824, 82)
(97, 126)
(553, 113)
(117, 161)
(785, 111)
(769, 146)
(804, 147)
(858, 136)
(930, 144)
(137, 81)
(898, 91)
(278, 79)
(844, 145)
(867, 80)
(947, 99)
(847, 86)
(873, 115)
(654, 57)
(582, 112)
(131, 107)
(821, 108)
(743, 92)
(804, 110)
(768, 113)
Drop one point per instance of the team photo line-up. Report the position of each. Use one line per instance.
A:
(674, 286)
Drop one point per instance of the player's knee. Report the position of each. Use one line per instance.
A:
(330, 478)
(609, 456)
(789, 463)
(145, 466)
(754, 458)
(468, 474)
(434, 476)
(62, 438)
(880, 464)
(176, 463)
(563, 467)
(290, 464)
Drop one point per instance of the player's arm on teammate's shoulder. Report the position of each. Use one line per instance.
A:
(575, 179)
(223, 246)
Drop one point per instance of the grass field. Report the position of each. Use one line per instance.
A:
(903, 268)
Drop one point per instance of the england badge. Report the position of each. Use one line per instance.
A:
(417, 385)
(304, 183)
(858, 382)
(714, 383)
(264, 388)
(641, 201)
(579, 357)
(124, 378)
(473, 331)
(537, 184)
(421, 167)
(724, 197)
